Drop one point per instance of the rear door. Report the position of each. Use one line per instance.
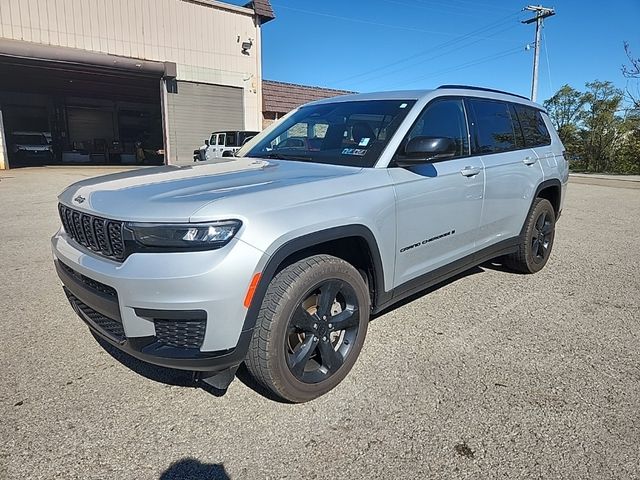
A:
(512, 171)
(438, 204)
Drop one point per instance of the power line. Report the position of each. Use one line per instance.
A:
(445, 44)
(546, 54)
(455, 68)
(474, 3)
(358, 20)
(430, 58)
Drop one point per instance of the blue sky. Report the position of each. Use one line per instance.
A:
(369, 45)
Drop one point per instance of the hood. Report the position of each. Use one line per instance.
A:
(175, 193)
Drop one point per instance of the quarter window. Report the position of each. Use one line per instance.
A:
(533, 128)
(444, 118)
(495, 131)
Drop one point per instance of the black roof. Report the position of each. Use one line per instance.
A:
(263, 9)
(483, 89)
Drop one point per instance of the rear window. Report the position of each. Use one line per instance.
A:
(494, 129)
(534, 130)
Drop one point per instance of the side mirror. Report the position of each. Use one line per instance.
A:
(427, 149)
(206, 142)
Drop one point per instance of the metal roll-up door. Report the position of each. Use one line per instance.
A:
(196, 110)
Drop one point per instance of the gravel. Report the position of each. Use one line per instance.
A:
(493, 375)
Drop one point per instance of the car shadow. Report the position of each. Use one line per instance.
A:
(193, 469)
(183, 378)
(427, 291)
(168, 376)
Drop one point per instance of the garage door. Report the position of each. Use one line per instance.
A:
(197, 110)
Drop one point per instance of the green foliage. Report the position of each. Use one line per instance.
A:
(598, 134)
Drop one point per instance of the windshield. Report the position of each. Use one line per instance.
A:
(340, 133)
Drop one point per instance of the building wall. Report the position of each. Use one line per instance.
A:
(203, 37)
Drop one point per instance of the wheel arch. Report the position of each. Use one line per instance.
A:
(348, 242)
(550, 190)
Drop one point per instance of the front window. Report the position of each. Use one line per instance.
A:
(341, 133)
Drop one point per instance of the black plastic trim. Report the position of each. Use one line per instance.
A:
(171, 314)
(107, 305)
(147, 348)
(445, 272)
(481, 89)
(308, 241)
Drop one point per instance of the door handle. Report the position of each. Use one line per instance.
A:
(470, 171)
(529, 160)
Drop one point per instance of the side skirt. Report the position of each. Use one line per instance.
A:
(439, 275)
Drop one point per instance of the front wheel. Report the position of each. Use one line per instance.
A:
(536, 243)
(310, 328)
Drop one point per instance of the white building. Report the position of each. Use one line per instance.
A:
(98, 79)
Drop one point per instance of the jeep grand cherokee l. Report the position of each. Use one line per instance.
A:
(279, 257)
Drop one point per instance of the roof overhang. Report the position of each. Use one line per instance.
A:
(28, 51)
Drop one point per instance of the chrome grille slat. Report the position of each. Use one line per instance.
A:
(98, 234)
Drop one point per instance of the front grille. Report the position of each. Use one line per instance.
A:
(109, 326)
(90, 282)
(98, 234)
(180, 333)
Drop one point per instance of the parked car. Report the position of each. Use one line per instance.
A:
(279, 257)
(222, 144)
(31, 146)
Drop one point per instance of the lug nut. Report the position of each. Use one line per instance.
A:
(315, 325)
(324, 317)
(330, 326)
(324, 339)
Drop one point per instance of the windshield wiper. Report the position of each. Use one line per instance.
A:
(284, 156)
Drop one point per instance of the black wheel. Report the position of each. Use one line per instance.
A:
(534, 250)
(310, 329)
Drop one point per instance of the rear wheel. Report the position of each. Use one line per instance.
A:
(536, 243)
(310, 329)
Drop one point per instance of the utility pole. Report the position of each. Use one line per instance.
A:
(541, 13)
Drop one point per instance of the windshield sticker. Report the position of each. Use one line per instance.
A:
(364, 142)
(404, 105)
(360, 152)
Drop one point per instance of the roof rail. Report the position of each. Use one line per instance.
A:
(469, 87)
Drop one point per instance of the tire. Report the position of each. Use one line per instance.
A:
(537, 240)
(295, 352)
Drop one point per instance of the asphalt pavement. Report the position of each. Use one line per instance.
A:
(492, 375)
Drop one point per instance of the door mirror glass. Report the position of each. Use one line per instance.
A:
(424, 149)
(206, 142)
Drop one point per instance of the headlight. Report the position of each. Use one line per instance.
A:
(188, 236)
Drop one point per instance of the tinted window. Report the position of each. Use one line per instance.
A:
(533, 128)
(494, 129)
(231, 139)
(444, 118)
(350, 133)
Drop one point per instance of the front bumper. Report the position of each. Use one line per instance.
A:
(179, 310)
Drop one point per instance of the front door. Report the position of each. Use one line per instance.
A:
(439, 204)
(220, 146)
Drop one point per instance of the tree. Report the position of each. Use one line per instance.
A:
(602, 128)
(632, 71)
(566, 109)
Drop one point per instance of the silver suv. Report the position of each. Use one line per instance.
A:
(278, 258)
